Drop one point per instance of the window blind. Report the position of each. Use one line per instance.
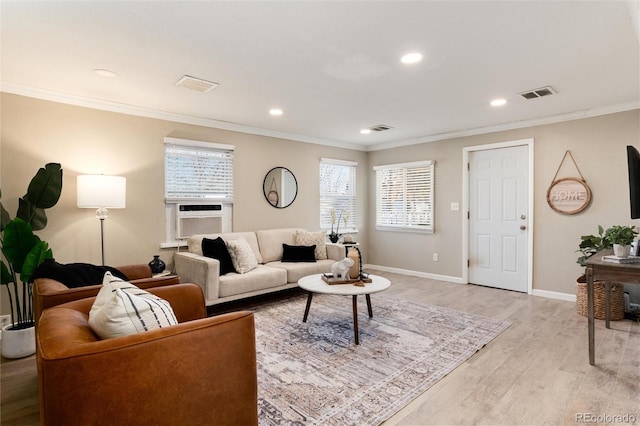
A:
(404, 196)
(338, 192)
(196, 171)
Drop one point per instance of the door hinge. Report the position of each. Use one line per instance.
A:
(468, 166)
(468, 214)
(468, 263)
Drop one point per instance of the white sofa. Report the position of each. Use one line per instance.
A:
(271, 274)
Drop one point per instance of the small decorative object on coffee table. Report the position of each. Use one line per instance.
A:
(318, 284)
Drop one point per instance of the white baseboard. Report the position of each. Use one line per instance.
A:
(458, 280)
(554, 295)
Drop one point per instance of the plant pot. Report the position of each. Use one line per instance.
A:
(621, 251)
(18, 343)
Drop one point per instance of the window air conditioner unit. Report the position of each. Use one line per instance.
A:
(199, 219)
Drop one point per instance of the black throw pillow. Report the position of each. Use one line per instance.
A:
(298, 253)
(217, 249)
(75, 274)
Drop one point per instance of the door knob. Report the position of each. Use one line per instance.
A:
(523, 227)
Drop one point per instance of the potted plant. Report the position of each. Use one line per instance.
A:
(335, 236)
(591, 244)
(621, 238)
(22, 253)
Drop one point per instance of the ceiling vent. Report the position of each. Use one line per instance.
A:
(197, 84)
(538, 93)
(380, 128)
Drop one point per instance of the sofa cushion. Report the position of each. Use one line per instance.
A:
(194, 242)
(241, 255)
(261, 278)
(298, 253)
(217, 249)
(74, 274)
(121, 309)
(270, 242)
(297, 270)
(306, 238)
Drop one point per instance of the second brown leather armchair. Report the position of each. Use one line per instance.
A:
(48, 292)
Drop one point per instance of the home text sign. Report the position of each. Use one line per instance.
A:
(569, 195)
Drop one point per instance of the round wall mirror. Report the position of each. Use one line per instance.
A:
(280, 187)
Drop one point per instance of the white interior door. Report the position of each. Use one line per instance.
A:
(499, 217)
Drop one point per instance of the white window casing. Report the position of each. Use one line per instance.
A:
(338, 193)
(405, 197)
(198, 189)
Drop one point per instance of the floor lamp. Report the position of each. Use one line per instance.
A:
(102, 192)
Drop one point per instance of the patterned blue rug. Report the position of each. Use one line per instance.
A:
(313, 374)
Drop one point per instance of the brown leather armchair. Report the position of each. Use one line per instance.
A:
(48, 292)
(199, 372)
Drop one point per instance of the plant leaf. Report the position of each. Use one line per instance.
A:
(18, 241)
(36, 256)
(45, 187)
(38, 219)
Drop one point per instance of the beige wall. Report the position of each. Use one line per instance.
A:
(599, 148)
(85, 140)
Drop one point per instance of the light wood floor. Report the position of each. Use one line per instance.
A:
(535, 373)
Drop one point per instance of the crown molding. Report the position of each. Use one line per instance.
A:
(103, 105)
(570, 116)
(65, 98)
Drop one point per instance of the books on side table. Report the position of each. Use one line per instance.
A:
(616, 259)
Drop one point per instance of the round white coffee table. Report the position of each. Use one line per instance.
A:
(315, 284)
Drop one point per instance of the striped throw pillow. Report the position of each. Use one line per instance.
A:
(121, 309)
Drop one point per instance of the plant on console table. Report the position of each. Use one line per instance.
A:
(23, 252)
(621, 238)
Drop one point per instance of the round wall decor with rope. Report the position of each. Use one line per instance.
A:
(568, 195)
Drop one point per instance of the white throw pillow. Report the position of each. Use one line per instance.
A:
(121, 309)
(306, 238)
(242, 256)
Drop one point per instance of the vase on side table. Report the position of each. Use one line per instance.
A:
(157, 265)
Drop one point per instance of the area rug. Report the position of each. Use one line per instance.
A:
(313, 373)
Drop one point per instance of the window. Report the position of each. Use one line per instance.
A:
(404, 196)
(198, 189)
(198, 170)
(338, 191)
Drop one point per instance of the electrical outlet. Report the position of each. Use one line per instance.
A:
(4, 320)
(435, 257)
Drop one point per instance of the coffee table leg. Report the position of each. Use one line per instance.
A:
(306, 310)
(355, 319)
(369, 305)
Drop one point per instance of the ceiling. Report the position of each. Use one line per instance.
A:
(332, 67)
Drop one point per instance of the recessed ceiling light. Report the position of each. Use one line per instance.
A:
(498, 102)
(365, 131)
(411, 58)
(275, 111)
(105, 73)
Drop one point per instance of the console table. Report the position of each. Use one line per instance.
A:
(599, 270)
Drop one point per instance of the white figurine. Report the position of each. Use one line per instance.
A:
(341, 268)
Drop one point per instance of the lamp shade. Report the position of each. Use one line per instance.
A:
(96, 191)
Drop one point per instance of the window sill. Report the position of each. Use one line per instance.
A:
(409, 229)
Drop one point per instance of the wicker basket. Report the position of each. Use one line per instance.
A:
(616, 299)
